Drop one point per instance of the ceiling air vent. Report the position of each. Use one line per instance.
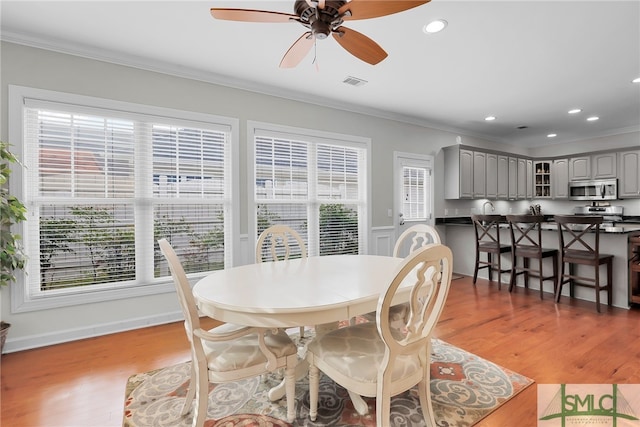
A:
(354, 81)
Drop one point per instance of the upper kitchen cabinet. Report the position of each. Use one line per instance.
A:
(596, 166)
(529, 178)
(492, 176)
(503, 176)
(479, 174)
(542, 179)
(513, 178)
(629, 174)
(560, 179)
(579, 168)
(604, 165)
(458, 172)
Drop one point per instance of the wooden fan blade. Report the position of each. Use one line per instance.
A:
(249, 15)
(359, 45)
(297, 51)
(365, 9)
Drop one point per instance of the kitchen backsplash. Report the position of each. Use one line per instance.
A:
(454, 208)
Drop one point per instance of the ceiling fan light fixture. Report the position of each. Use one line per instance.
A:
(435, 26)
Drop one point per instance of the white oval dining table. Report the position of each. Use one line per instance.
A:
(315, 291)
(298, 292)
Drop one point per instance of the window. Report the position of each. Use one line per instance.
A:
(315, 183)
(413, 187)
(104, 181)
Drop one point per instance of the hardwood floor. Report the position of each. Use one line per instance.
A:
(82, 383)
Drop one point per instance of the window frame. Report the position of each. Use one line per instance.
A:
(255, 128)
(17, 97)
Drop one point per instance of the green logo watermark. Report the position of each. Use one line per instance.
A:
(587, 404)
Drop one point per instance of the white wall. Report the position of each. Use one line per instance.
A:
(32, 67)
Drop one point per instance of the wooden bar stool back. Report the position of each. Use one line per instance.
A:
(573, 231)
(487, 229)
(526, 243)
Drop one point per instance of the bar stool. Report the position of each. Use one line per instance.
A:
(487, 228)
(577, 227)
(526, 243)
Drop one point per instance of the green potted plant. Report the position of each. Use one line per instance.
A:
(12, 211)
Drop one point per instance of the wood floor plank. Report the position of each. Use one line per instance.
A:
(82, 383)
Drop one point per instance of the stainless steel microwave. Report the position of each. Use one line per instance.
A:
(603, 189)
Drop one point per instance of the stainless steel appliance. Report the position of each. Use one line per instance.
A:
(604, 189)
(610, 214)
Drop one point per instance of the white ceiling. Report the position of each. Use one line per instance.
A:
(525, 62)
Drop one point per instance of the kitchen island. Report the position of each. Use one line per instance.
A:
(614, 240)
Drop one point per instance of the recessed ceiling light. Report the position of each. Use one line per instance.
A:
(574, 111)
(490, 118)
(435, 26)
(552, 135)
(637, 80)
(593, 118)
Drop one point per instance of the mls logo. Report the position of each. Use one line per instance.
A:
(593, 405)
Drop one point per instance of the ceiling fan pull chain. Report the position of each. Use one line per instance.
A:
(315, 54)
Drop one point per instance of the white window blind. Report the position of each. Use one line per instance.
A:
(103, 185)
(416, 184)
(315, 185)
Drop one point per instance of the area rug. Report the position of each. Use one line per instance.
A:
(464, 389)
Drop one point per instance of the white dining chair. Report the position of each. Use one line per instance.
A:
(381, 361)
(280, 242)
(414, 237)
(228, 352)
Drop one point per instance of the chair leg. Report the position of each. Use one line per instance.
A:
(610, 282)
(314, 385)
(499, 272)
(191, 392)
(489, 266)
(512, 279)
(541, 276)
(560, 281)
(475, 270)
(597, 285)
(554, 259)
(383, 407)
(290, 385)
(202, 396)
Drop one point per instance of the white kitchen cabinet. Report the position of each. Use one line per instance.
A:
(580, 168)
(529, 189)
(503, 177)
(596, 166)
(603, 166)
(458, 173)
(522, 179)
(542, 179)
(560, 179)
(629, 174)
(513, 177)
(479, 174)
(492, 176)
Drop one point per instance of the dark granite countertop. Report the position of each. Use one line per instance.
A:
(628, 224)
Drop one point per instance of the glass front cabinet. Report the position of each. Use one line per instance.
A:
(542, 179)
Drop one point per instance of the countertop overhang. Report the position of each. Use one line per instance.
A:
(621, 227)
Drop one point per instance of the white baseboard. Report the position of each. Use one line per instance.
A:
(58, 337)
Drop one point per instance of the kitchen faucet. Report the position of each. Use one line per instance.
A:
(493, 208)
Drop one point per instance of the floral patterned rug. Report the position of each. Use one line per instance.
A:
(464, 388)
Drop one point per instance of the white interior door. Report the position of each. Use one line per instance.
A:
(413, 187)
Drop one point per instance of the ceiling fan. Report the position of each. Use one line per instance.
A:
(324, 17)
